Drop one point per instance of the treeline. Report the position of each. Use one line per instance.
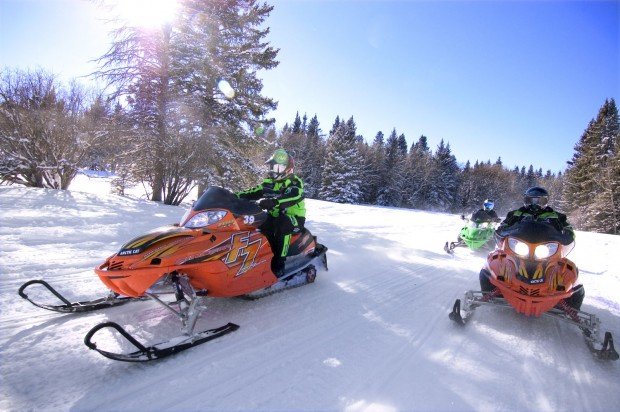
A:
(343, 167)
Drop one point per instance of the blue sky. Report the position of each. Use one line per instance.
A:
(520, 80)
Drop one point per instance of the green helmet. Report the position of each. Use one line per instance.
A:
(280, 164)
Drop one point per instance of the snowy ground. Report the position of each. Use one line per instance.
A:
(371, 334)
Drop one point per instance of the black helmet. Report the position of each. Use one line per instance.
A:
(280, 164)
(488, 204)
(535, 197)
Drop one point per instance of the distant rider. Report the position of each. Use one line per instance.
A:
(282, 194)
(486, 214)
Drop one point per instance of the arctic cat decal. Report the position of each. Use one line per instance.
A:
(129, 252)
(242, 252)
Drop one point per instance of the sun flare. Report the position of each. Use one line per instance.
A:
(147, 13)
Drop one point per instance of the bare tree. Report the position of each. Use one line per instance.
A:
(43, 140)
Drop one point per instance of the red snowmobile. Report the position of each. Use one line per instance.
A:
(530, 273)
(215, 251)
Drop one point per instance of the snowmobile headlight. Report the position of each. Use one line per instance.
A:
(207, 218)
(546, 250)
(520, 248)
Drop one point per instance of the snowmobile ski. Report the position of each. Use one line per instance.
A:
(455, 315)
(159, 350)
(607, 350)
(450, 246)
(76, 307)
(586, 322)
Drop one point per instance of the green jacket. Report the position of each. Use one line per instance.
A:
(289, 192)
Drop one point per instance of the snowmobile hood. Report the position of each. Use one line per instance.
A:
(142, 243)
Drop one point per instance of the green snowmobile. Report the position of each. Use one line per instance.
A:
(474, 235)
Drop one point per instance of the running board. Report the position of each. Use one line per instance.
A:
(291, 281)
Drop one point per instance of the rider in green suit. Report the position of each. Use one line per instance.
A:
(281, 194)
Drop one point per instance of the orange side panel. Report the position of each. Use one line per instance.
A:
(132, 282)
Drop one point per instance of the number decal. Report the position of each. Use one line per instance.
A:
(242, 252)
(248, 219)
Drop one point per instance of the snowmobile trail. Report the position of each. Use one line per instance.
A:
(372, 332)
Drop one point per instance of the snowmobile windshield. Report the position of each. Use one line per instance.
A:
(219, 198)
(534, 231)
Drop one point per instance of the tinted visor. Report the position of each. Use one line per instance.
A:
(538, 201)
(488, 205)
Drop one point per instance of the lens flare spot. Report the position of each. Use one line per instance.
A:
(226, 89)
(259, 131)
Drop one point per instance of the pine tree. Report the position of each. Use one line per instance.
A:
(615, 185)
(341, 174)
(297, 124)
(391, 191)
(314, 158)
(418, 171)
(402, 145)
(466, 188)
(375, 169)
(294, 142)
(173, 79)
(603, 211)
(445, 179)
(591, 190)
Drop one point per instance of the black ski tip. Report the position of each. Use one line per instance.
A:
(455, 315)
(73, 307)
(608, 351)
(46, 285)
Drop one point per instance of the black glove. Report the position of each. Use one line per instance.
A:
(497, 220)
(268, 203)
(462, 217)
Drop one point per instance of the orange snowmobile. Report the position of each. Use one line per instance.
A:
(215, 251)
(529, 272)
